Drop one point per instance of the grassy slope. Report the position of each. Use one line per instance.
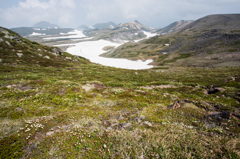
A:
(83, 110)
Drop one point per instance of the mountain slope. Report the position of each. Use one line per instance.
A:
(135, 25)
(45, 25)
(174, 27)
(207, 42)
(218, 21)
(27, 52)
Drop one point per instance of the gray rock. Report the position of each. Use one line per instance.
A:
(8, 43)
(9, 86)
(1, 60)
(20, 54)
(46, 57)
(57, 51)
(1, 40)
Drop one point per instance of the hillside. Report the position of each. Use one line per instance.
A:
(55, 105)
(218, 21)
(208, 45)
(174, 27)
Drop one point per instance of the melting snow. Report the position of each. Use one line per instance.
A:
(76, 34)
(36, 34)
(92, 49)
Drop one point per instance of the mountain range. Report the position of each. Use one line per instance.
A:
(45, 25)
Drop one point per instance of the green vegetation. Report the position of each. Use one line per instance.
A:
(66, 107)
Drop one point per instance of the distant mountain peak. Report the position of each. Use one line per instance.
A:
(135, 25)
(174, 27)
(45, 25)
(105, 26)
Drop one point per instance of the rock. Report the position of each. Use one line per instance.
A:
(46, 57)
(50, 133)
(68, 58)
(1, 40)
(9, 86)
(57, 51)
(219, 115)
(213, 90)
(176, 105)
(127, 126)
(1, 60)
(8, 44)
(147, 123)
(20, 54)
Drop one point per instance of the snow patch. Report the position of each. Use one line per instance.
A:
(93, 49)
(76, 34)
(148, 35)
(36, 34)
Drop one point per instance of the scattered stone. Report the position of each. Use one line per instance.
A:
(147, 123)
(1, 60)
(40, 55)
(68, 58)
(20, 54)
(46, 57)
(1, 40)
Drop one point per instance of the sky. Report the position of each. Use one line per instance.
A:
(73, 13)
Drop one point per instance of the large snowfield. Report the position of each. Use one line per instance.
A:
(93, 49)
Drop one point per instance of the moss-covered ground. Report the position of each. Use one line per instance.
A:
(86, 110)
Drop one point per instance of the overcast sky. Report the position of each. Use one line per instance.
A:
(73, 13)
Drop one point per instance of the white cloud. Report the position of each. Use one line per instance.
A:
(32, 11)
(157, 13)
